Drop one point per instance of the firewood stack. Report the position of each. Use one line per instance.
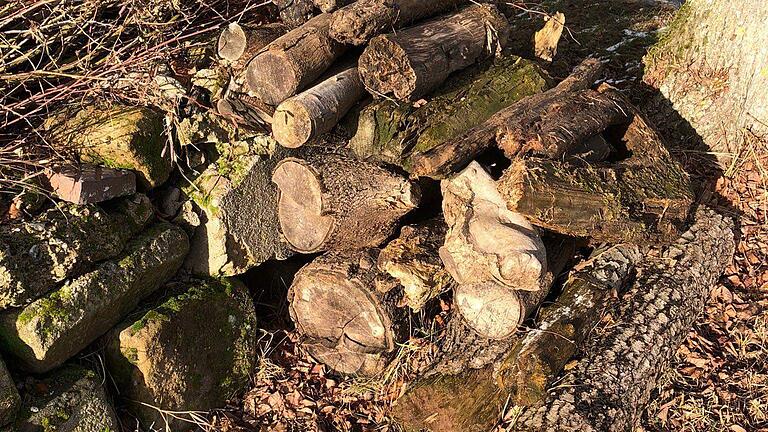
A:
(587, 169)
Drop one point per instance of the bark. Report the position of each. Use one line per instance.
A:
(237, 45)
(454, 154)
(331, 5)
(357, 23)
(642, 199)
(392, 133)
(415, 61)
(346, 309)
(317, 110)
(474, 399)
(721, 92)
(293, 61)
(330, 202)
(609, 388)
(295, 12)
(243, 109)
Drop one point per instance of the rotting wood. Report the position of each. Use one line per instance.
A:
(317, 110)
(412, 62)
(331, 202)
(358, 22)
(545, 40)
(293, 61)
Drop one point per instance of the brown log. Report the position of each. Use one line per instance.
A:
(411, 63)
(331, 202)
(245, 110)
(295, 12)
(293, 61)
(357, 23)
(239, 44)
(346, 311)
(331, 5)
(452, 155)
(317, 110)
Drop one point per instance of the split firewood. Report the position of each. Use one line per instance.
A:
(609, 389)
(238, 45)
(545, 40)
(392, 132)
(454, 154)
(358, 22)
(474, 399)
(412, 62)
(295, 12)
(331, 5)
(317, 110)
(347, 311)
(293, 61)
(331, 202)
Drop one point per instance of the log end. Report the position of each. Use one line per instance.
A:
(271, 77)
(490, 309)
(385, 69)
(300, 206)
(232, 42)
(292, 125)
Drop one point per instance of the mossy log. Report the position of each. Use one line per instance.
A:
(358, 22)
(454, 154)
(473, 400)
(331, 202)
(413, 62)
(293, 61)
(610, 387)
(238, 45)
(391, 132)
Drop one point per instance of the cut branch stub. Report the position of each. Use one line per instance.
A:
(293, 61)
(415, 61)
(317, 110)
(347, 311)
(330, 202)
(238, 45)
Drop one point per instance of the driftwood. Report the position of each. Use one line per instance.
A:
(293, 61)
(392, 132)
(360, 21)
(317, 110)
(411, 63)
(330, 202)
(609, 388)
(452, 155)
(239, 44)
(474, 399)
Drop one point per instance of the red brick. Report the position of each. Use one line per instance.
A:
(86, 184)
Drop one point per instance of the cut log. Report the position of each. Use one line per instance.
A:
(331, 5)
(238, 45)
(295, 12)
(331, 202)
(609, 389)
(357, 23)
(317, 110)
(346, 310)
(474, 399)
(391, 132)
(415, 61)
(454, 154)
(293, 61)
(413, 260)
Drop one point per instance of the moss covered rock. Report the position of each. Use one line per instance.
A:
(69, 400)
(44, 334)
(9, 396)
(64, 242)
(192, 352)
(117, 136)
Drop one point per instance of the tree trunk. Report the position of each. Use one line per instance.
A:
(391, 132)
(359, 22)
(473, 400)
(609, 388)
(415, 61)
(331, 5)
(317, 110)
(293, 61)
(711, 65)
(452, 155)
(238, 45)
(330, 202)
(294, 13)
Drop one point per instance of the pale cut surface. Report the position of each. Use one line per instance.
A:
(492, 310)
(232, 42)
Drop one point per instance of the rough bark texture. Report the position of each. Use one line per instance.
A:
(474, 399)
(392, 132)
(357, 23)
(295, 12)
(9, 396)
(415, 61)
(347, 311)
(238, 45)
(330, 5)
(452, 155)
(293, 61)
(711, 64)
(609, 388)
(243, 109)
(331, 202)
(317, 110)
